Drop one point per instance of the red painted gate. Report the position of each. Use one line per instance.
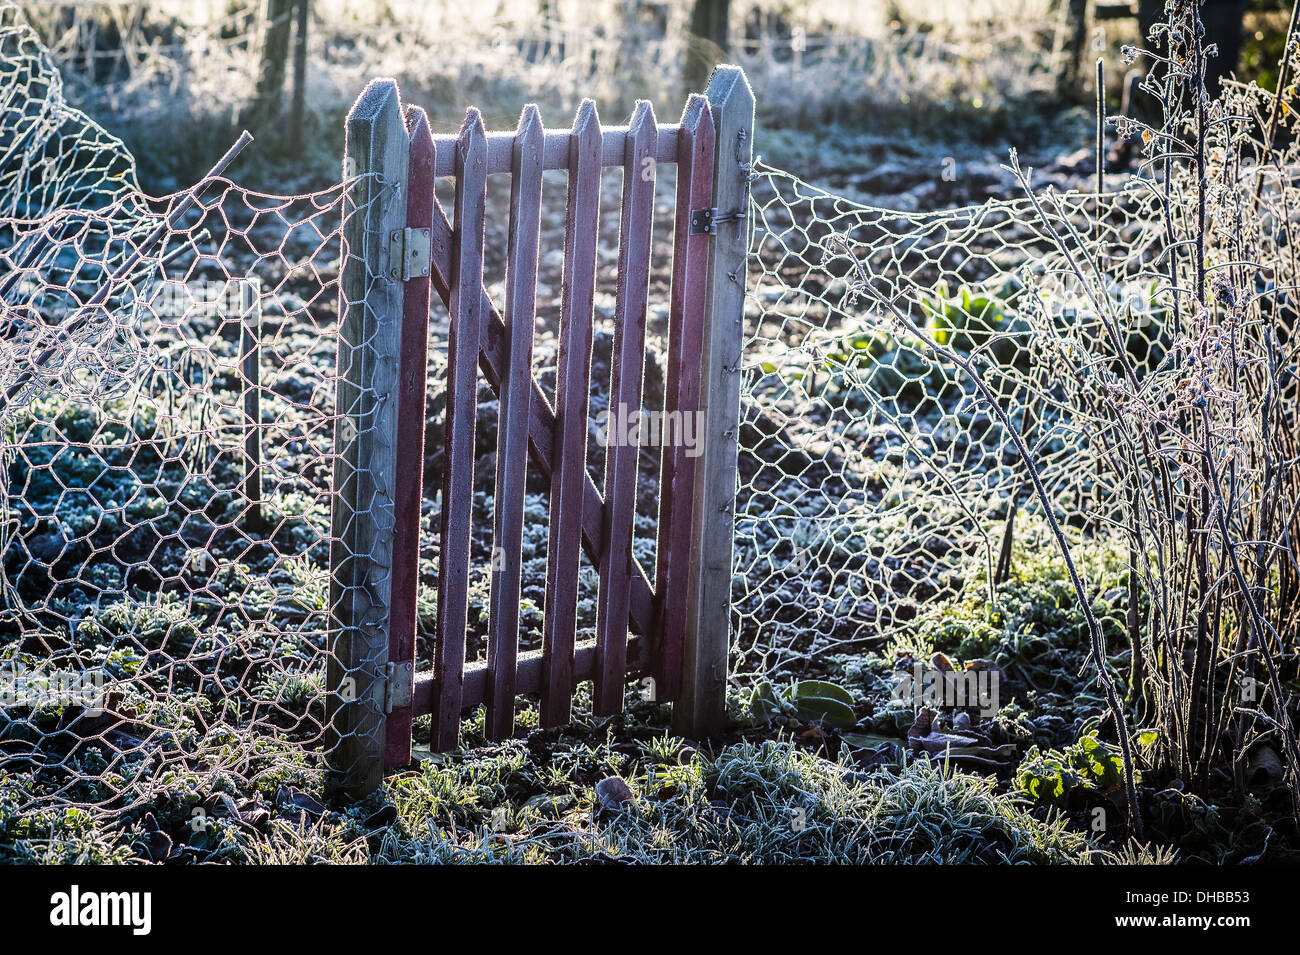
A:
(641, 628)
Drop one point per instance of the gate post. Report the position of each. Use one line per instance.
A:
(362, 512)
(703, 705)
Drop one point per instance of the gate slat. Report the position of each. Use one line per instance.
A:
(682, 392)
(528, 675)
(563, 553)
(408, 490)
(627, 365)
(512, 424)
(458, 427)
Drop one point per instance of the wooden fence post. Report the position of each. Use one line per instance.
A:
(362, 520)
(702, 708)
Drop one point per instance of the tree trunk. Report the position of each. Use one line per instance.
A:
(270, 74)
(1223, 21)
(299, 78)
(707, 44)
(1076, 38)
(1223, 25)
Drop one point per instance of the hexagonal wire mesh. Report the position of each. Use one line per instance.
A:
(873, 477)
(168, 448)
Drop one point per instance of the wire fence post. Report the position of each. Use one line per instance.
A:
(703, 706)
(362, 520)
(250, 360)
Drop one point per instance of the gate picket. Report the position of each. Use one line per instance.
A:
(408, 492)
(573, 383)
(627, 367)
(682, 392)
(512, 424)
(458, 428)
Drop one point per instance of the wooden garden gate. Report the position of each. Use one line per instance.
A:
(399, 247)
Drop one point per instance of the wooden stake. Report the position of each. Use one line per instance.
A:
(369, 351)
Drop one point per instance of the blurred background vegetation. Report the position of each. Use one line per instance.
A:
(176, 79)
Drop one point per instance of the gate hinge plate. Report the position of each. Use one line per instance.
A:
(703, 221)
(409, 253)
(706, 221)
(399, 687)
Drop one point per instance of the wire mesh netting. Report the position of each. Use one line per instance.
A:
(874, 478)
(168, 371)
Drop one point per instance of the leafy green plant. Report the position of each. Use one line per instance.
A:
(860, 363)
(980, 318)
(810, 701)
(1050, 777)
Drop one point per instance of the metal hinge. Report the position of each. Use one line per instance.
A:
(399, 687)
(706, 221)
(409, 254)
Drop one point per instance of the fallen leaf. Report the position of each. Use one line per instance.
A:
(381, 819)
(158, 844)
(291, 800)
(613, 792)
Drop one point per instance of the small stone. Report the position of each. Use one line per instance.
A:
(46, 548)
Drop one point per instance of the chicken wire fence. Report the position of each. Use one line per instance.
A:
(874, 478)
(169, 378)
